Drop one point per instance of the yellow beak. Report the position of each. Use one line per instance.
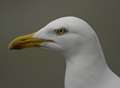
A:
(26, 41)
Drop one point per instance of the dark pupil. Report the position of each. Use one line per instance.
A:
(61, 31)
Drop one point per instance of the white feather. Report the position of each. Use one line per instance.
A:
(85, 63)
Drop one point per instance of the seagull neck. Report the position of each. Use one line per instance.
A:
(84, 66)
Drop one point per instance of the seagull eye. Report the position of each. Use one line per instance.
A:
(61, 31)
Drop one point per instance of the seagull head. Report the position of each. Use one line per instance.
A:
(62, 34)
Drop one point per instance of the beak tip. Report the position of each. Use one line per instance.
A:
(12, 46)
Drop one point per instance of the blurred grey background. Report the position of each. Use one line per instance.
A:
(40, 68)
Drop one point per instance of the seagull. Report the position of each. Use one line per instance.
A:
(76, 40)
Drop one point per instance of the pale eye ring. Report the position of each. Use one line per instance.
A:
(61, 31)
